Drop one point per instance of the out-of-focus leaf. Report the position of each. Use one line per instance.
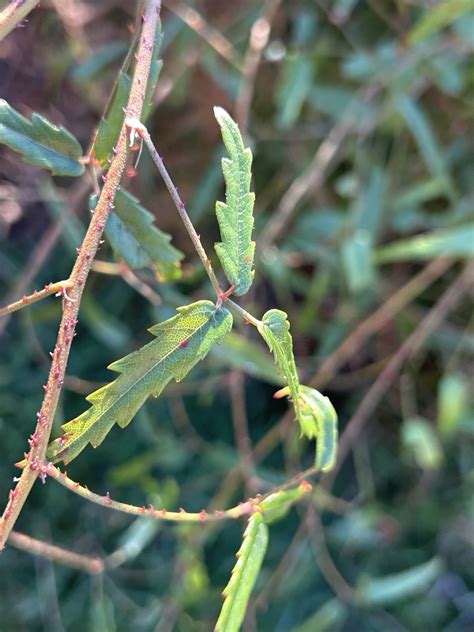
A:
(419, 126)
(135, 238)
(357, 261)
(99, 59)
(419, 439)
(453, 400)
(235, 217)
(244, 575)
(327, 618)
(399, 586)
(277, 505)
(243, 354)
(438, 17)
(40, 142)
(455, 242)
(294, 89)
(181, 342)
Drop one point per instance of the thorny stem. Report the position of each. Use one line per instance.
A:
(243, 509)
(13, 14)
(40, 438)
(60, 288)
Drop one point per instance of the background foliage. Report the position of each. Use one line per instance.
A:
(365, 106)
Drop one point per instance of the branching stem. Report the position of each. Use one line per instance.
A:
(60, 287)
(40, 438)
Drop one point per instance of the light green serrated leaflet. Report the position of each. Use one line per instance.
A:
(318, 420)
(180, 343)
(134, 237)
(275, 330)
(235, 216)
(40, 142)
(244, 575)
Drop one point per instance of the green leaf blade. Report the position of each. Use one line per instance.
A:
(235, 217)
(244, 575)
(40, 142)
(134, 237)
(275, 330)
(181, 342)
(318, 419)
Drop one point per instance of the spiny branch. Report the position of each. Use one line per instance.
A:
(59, 288)
(40, 438)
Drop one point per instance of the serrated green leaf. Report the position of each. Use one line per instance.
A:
(112, 121)
(180, 343)
(136, 239)
(314, 412)
(40, 142)
(275, 330)
(244, 575)
(318, 420)
(235, 216)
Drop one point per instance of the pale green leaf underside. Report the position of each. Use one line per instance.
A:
(180, 343)
(318, 420)
(244, 575)
(109, 128)
(40, 142)
(275, 330)
(135, 238)
(235, 216)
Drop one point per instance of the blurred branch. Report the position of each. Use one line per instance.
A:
(259, 36)
(209, 34)
(60, 288)
(91, 565)
(39, 440)
(13, 14)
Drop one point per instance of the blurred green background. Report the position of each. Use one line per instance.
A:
(358, 115)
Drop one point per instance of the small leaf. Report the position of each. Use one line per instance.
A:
(318, 420)
(453, 402)
(381, 591)
(244, 575)
(180, 343)
(235, 217)
(40, 142)
(275, 330)
(109, 128)
(136, 239)
(458, 241)
(421, 443)
(277, 505)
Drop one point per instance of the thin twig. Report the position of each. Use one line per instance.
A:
(40, 438)
(241, 426)
(376, 321)
(91, 565)
(60, 287)
(13, 14)
(209, 34)
(242, 509)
